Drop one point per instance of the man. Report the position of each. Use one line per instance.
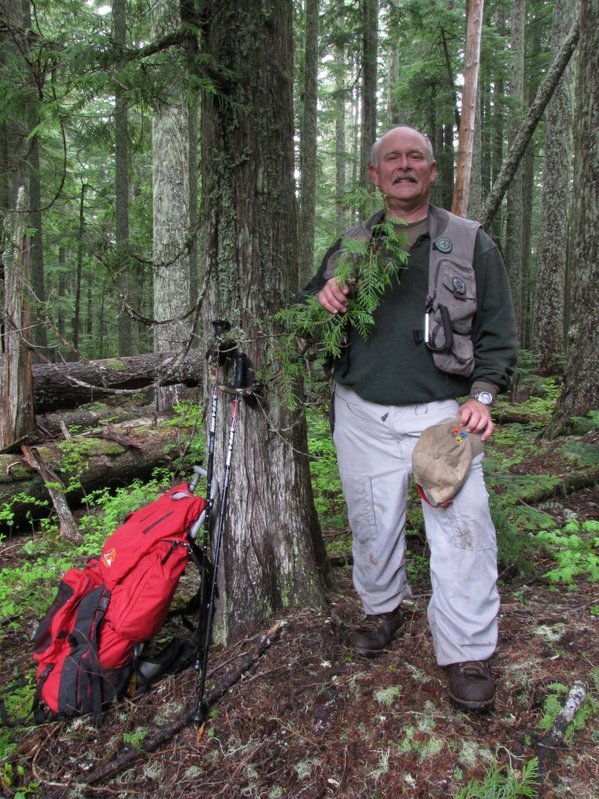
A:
(388, 390)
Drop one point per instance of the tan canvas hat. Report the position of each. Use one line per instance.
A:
(441, 461)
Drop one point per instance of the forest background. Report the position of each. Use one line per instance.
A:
(160, 163)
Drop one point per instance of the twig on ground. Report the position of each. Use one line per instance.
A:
(167, 731)
(546, 747)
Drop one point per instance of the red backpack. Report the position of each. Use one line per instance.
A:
(85, 644)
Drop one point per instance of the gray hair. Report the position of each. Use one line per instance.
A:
(375, 147)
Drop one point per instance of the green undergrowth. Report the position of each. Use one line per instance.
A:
(505, 783)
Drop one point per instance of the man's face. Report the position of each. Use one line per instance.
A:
(404, 171)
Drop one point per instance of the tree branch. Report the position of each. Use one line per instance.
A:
(528, 127)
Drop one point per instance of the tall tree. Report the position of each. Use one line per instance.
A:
(341, 96)
(17, 419)
(513, 235)
(170, 178)
(581, 384)
(469, 106)
(273, 540)
(369, 85)
(308, 141)
(548, 339)
(121, 177)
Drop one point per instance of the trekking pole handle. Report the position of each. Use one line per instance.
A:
(242, 363)
(199, 472)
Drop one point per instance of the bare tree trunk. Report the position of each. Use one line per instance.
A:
(340, 139)
(549, 333)
(513, 237)
(124, 264)
(17, 417)
(581, 383)
(308, 143)
(171, 229)
(369, 85)
(469, 106)
(272, 541)
(79, 269)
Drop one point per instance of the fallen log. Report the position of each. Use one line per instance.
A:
(57, 386)
(53, 424)
(88, 462)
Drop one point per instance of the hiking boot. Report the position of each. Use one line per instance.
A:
(377, 632)
(471, 685)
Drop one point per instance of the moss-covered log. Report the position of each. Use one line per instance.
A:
(84, 463)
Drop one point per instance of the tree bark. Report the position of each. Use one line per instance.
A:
(272, 541)
(369, 85)
(581, 384)
(17, 419)
(121, 179)
(171, 222)
(308, 143)
(549, 333)
(514, 211)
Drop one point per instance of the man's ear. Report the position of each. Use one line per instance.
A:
(373, 175)
(434, 171)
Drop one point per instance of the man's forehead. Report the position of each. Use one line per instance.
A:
(401, 139)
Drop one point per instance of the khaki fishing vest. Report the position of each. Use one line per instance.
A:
(450, 304)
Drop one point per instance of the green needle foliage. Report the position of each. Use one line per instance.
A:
(368, 266)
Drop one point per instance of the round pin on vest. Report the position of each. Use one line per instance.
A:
(444, 244)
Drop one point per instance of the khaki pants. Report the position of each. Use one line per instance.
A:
(374, 448)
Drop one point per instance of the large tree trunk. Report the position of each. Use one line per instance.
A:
(581, 384)
(121, 180)
(548, 339)
(272, 539)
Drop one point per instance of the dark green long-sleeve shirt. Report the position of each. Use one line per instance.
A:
(394, 367)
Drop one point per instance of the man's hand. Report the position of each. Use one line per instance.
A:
(333, 296)
(476, 418)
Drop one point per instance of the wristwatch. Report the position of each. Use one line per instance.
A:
(483, 396)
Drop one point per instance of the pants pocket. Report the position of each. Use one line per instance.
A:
(359, 498)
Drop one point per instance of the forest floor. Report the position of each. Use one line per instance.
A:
(308, 718)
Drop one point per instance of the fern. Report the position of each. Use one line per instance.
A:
(498, 784)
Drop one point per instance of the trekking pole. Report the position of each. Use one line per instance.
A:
(222, 351)
(241, 373)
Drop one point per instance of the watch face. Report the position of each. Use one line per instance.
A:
(484, 397)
